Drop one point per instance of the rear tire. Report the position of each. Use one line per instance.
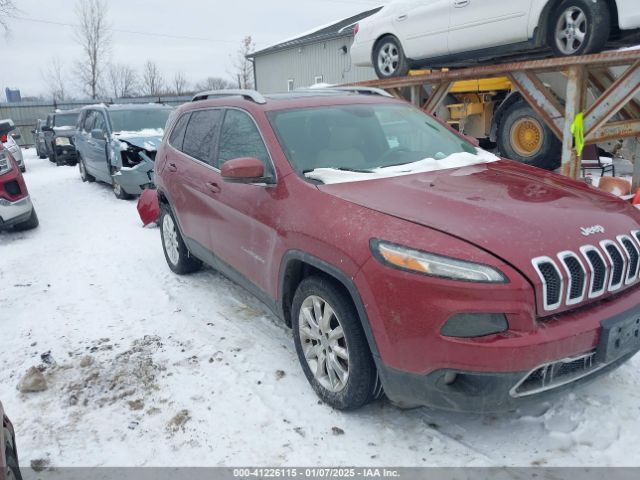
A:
(176, 253)
(331, 345)
(29, 224)
(579, 27)
(524, 137)
(389, 59)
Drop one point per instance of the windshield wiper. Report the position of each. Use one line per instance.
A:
(342, 169)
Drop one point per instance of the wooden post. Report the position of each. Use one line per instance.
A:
(575, 103)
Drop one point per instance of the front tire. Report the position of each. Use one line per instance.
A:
(524, 137)
(82, 167)
(579, 27)
(176, 253)
(118, 191)
(389, 59)
(29, 224)
(331, 345)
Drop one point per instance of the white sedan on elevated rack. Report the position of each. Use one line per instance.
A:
(438, 33)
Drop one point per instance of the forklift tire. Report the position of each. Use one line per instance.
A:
(524, 137)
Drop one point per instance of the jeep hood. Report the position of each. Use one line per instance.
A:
(513, 211)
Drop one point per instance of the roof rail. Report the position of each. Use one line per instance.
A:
(364, 91)
(252, 95)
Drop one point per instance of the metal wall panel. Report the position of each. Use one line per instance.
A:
(25, 114)
(303, 64)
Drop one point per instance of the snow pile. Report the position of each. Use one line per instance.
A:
(146, 132)
(146, 368)
(458, 160)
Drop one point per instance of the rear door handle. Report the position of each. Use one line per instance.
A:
(172, 167)
(461, 3)
(213, 187)
(402, 18)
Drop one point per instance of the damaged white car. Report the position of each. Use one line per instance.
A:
(117, 145)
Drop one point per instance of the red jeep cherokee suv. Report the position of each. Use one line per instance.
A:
(406, 260)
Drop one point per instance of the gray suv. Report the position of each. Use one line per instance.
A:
(117, 145)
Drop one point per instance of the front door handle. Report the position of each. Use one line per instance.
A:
(402, 18)
(172, 167)
(213, 187)
(461, 3)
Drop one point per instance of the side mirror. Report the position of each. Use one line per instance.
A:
(33, 131)
(97, 134)
(244, 170)
(16, 136)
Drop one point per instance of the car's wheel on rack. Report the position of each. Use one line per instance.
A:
(332, 346)
(176, 252)
(389, 59)
(524, 137)
(83, 171)
(578, 27)
(29, 224)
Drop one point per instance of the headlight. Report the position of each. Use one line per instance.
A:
(435, 265)
(5, 163)
(62, 141)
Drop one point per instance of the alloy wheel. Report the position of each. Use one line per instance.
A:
(170, 237)
(388, 59)
(571, 30)
(324, 343)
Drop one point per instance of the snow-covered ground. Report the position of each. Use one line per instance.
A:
(193, 371)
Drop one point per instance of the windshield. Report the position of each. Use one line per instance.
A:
(363, 138)
(139, 119)
(65, 120)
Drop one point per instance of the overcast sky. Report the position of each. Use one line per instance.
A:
(211, 33)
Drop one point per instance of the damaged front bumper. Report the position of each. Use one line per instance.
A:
(134, 180)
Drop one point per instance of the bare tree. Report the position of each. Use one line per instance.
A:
(122, 80)
(214, 83)
(180, 84)
(55, 79)
(93, 34)
(7, 10)
(243, 67)
(152, 80)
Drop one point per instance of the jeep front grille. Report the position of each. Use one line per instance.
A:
(556, 374)
(591, 272)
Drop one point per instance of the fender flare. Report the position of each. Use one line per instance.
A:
(336, 274)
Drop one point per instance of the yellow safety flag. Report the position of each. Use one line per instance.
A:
(577, 130)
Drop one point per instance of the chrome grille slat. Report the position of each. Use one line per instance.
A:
(607, 266)
(632, 253)
(577, 275)
(552, 283)
(617, 264)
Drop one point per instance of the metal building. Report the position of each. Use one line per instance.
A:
(322, 56)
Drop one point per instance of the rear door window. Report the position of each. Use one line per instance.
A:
(177, 135)
(239, 138)
(201, 135)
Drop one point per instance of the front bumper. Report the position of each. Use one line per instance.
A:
(14, 212)
(134, 180)
(66, 153)
(475, 392)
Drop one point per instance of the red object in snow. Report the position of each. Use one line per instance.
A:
(149, 207)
